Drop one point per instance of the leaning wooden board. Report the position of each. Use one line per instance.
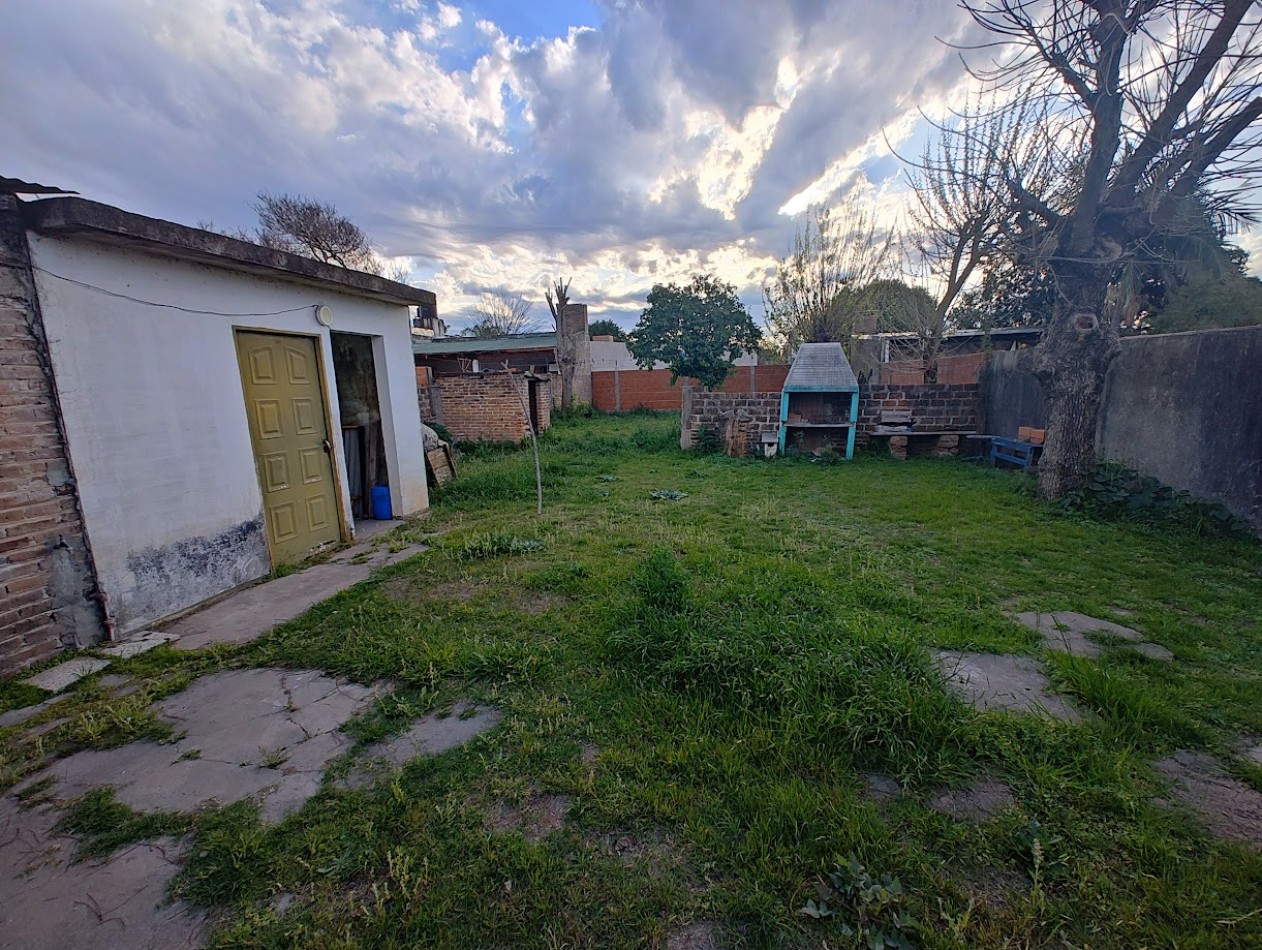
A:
(441, 464)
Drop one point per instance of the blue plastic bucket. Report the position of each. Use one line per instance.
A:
(381, 503)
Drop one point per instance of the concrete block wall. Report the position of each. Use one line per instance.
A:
(485, 407)
(712, 410)
(933, 407)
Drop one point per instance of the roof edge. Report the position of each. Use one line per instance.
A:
(95, 221)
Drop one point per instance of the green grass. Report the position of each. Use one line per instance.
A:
(737, 658)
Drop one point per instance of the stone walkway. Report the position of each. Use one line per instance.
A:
(263, 734)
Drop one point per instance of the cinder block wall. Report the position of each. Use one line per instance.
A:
(48, 595)
(708, 411)
(933, 406)
(486, 407)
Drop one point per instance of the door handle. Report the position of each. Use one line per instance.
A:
(328, 447)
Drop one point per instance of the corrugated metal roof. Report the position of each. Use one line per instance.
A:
(452, 345)
(821, 367)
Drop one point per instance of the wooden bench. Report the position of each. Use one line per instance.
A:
(1016, 451)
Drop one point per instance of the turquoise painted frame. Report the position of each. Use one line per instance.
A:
(854, 414)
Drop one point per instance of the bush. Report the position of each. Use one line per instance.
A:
(1117, 493)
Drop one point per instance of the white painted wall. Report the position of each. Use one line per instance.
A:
(156, 422)
(606, 357)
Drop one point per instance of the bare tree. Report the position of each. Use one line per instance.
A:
(959, 214)
(558, 295)
(815, 294)
(500, 312)
(313, 228)
(1145, 103)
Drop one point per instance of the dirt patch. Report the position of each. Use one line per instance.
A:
(878, 787)
(1230, 808)
(980, 801)
(532, 602)
(412, 590)
(536, 817)
(654, 849)
(1001, 681)
(703, 935)
(589, 754)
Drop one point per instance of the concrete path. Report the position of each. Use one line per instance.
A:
(47, 902)
(264, 734)
(248, 614)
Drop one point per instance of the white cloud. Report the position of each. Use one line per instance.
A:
(673, 137)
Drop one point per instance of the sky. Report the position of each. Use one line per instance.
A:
(493, 143)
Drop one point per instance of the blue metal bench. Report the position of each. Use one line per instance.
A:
(1015, 451)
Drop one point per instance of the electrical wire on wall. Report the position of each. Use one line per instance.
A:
(170, 306)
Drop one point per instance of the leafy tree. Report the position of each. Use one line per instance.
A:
(1134, 107)
(1205, 302)
(695, 330)
(1007, 296)
(606, 327)
(814, 295)
(500, 312)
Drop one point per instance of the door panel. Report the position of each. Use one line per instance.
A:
(289, 432)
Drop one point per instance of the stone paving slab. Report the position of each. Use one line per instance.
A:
(15, 717)
(980, 801)
(1003, 681)
(250, 613)
(1229, 807)
(1071, 632)
(49, 903)
(56, 678)
(137, 644)
(257, 733)
(431, 735)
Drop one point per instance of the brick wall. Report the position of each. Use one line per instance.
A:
(712, 411)
(485, 407)
(652, 389)
(933, 407)
(48, 598)
(952, 370)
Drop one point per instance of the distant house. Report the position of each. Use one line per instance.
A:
(193, 412)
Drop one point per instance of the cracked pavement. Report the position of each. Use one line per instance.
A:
(256, 733)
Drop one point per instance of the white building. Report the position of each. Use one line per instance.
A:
(226, 407)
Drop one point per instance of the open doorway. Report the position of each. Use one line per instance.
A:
(363, 440)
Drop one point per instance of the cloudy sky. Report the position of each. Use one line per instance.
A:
(490, 142)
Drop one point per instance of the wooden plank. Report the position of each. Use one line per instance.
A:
(440, 465)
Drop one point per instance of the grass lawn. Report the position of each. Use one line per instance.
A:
(705, 682)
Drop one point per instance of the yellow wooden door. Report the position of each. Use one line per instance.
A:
(285, 403)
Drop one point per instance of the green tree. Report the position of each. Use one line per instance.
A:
(606, 328)
(695, 330)
(816, 292)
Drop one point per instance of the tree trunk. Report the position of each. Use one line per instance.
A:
(1071, 362)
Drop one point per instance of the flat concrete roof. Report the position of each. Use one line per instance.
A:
(105, 224)
(451, 345)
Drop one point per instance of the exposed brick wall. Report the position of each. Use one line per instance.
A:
(47, 588)
(713, 410)
(933, 407)
(952, 370)
(485, 407)
(652, 389)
